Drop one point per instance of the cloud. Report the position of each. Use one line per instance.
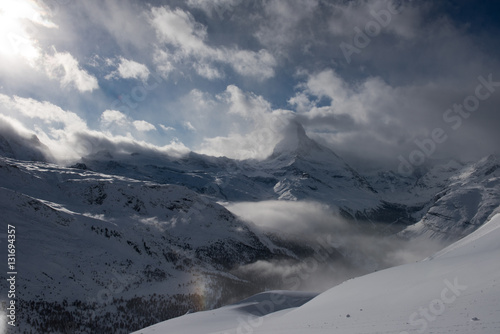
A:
(17, 142)
(65, 68)
(129, 69)
(342, 249)
(109, 117)
(179, 28)
(167, 128)
(21, 29)
(115, 121)
(67, 135)
(143, 126)
(371, 120)
(52, 125)
(294, 217)
(188, 126)
(187, 40)
(47, 112)
(252, 64)
(344, 100)
(93, 142)
(24, 24)
(254, 130)
(164, 62)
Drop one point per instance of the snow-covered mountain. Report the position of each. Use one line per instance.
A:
(456, 290)
(306, 170)
(470, 197)
(94, 248)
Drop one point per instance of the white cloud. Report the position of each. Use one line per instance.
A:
(295, 217)
(116, 121)
(143, 126)
(206, 70)
(178, 29)
(23, 24)
(65, 68)
(188, 126)
(323, 226)
(248, 63)
(109, 117)
(167, 128)
(344, 99)
(56, 128)
(244, 104)
(129, 69)
(49, 113)
(164, 62)
(254, 130)
(94, 141)
(68, 136)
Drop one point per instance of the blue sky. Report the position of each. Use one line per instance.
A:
(370, 79)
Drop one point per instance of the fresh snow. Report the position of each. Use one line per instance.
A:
(455, 291)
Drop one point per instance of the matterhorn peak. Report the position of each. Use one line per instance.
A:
(295, 142)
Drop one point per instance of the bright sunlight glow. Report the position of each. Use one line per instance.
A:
(19, 24)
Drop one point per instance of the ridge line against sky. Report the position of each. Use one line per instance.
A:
(369, 79)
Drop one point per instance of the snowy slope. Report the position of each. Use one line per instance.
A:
(455, 291)
(224, 319)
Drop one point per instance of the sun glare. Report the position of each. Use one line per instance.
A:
(20, 21)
